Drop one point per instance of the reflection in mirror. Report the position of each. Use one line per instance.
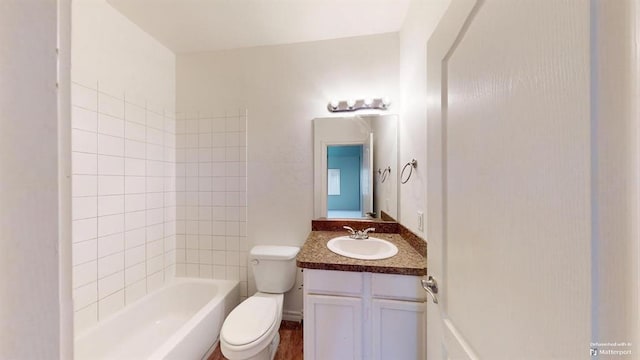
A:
(355, 167)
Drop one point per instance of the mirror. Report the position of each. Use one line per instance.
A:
(356, 167)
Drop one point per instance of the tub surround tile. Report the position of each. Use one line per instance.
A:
(315, 255)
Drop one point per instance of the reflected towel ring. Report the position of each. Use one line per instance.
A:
(412, 165)
(384, 174)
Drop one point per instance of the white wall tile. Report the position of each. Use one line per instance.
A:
(110, 264)
(134, 131)
(155, 168)
(135, 291)
(110, 304)
(83, 119)
(134, 113)
(110, 145)
(155, 248)
(134, 185)
(155, 200)
(135, 149)
(110, 165)
(135, 238)
(110, 224)
(134, 167)
(155, 281)
(155, 216)
(84, 163)
(110, 284)
(110, 205)
(155, 120)
(110, 244)
(155, 232)
(155, 136)
(134, 202)
(110, 185)
(84, 229)
(135, 273)
(85, 273)
(85, 251)
(134, 256)
(155, 184)
(85, 295)
(135, 220)
(155, 152)
(84, 185)
(110, 105)
(83, 141)
(84, 97)
(109, 125)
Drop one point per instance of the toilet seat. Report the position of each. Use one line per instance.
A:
(251, 326)
(250, 321)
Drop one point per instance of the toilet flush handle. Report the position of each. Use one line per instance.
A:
(255, 262)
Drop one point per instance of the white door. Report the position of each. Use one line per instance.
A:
(366, 177)
(398, 329)
(333, 327)
(508, 188)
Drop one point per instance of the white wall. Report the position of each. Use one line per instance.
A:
(123, 162)
(284, 88)
(29, 259)
(422, 18)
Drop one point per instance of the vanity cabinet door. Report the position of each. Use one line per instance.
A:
(332, 327)
(398, 329)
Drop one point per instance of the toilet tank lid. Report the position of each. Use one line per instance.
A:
(272, 252)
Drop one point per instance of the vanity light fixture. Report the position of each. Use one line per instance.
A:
(355, 105)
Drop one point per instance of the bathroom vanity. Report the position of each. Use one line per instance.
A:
(362, 309)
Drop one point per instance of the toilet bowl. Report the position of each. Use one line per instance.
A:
(250, 332)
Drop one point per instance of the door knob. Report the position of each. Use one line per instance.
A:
(430, 285)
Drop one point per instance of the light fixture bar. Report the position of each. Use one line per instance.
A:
(361, 104)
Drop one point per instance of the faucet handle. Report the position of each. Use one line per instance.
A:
(369, 230)
(350, 229)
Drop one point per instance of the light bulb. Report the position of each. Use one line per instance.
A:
(351, 103)
(368, 101)
(334, 104)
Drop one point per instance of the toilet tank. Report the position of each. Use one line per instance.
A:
(274, 267)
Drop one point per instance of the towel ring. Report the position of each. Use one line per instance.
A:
(384, 174)
(412, 165)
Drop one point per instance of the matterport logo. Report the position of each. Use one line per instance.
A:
(610, 348)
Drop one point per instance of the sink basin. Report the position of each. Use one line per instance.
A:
(365, 249)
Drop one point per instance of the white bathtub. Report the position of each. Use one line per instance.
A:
(181, 320)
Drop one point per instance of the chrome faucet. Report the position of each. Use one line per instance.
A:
(358, 234)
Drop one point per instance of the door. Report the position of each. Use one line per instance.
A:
(333, 327)
(366, 176)
(398, 329)
(508, 187)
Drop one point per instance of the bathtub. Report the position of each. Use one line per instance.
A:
(181, 320)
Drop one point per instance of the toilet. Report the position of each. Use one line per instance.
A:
(251, 329)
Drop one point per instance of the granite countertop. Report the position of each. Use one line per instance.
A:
(316, 255)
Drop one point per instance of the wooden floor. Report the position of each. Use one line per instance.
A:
(290, 347)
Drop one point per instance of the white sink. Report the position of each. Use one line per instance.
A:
(365, 249)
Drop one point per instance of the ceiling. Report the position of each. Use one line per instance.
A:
(205, 25)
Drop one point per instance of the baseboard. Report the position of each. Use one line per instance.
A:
(292, 315)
